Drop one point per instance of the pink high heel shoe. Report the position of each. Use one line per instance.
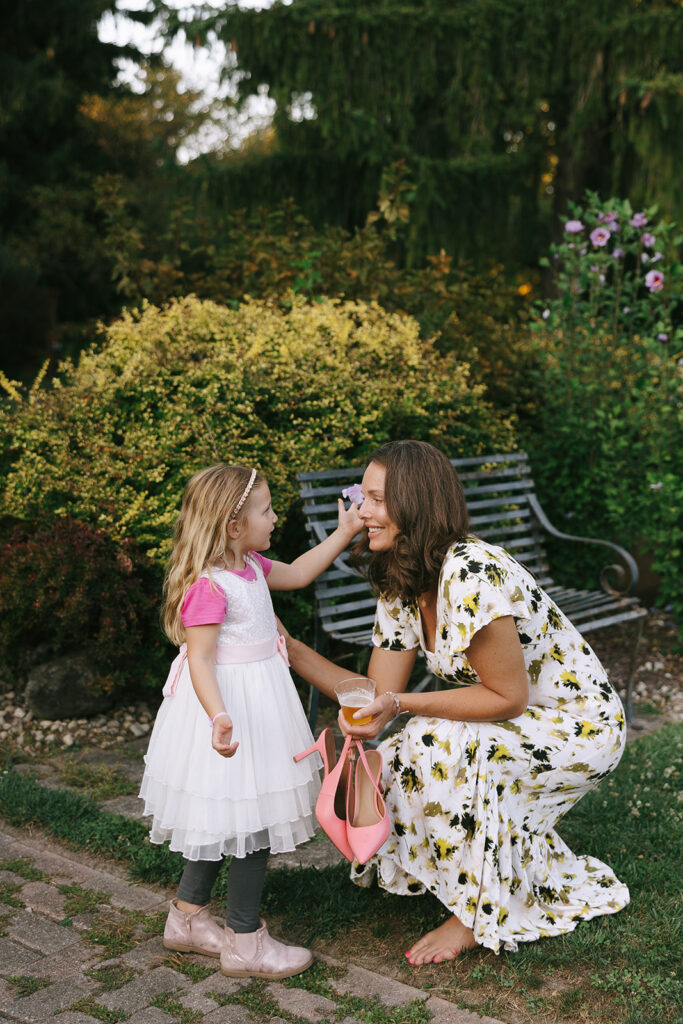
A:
(330, 808)
(367, 821)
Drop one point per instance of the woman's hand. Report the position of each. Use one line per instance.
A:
(382, 709)
(221, 736)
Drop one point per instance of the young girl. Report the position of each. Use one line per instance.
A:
(220, 779)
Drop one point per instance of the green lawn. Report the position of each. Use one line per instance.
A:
(619, 969)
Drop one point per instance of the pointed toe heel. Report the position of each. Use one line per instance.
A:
(330, 808)
(367, 825)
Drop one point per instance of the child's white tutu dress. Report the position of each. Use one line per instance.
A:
(209, 806)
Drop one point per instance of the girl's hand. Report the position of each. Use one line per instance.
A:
(349, 521)
(383, 711)
(221, 737)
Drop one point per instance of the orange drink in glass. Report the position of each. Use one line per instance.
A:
(355, 693)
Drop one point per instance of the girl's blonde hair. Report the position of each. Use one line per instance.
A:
(201, 534)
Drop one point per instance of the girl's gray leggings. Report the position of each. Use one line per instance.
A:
(245, 884)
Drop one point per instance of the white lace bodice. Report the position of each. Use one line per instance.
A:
(250, 618)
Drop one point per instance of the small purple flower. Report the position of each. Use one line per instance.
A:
(648, 240)
(595, 269)
(618, 253)
(654, 280)
(545, 314)
(573, 227)
(656, 257)
(662, 337)
(611, 218)
(644, 258)
(626, 310)
(354, 494)
(638, 220)
(656, 487)
(600, 236)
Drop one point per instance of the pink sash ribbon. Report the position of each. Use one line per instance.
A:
(229, 654)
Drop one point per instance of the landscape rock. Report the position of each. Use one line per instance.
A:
(64, 687)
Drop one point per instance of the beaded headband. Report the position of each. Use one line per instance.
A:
(244, 497)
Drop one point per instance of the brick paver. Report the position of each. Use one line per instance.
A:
(303, 1004)
(43, 943)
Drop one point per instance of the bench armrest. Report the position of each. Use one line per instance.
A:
(625, 575)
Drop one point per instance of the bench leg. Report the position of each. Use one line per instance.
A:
(631, 675)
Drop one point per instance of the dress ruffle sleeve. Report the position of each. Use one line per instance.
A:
(478, 587)
(205, 604)
(395, 625)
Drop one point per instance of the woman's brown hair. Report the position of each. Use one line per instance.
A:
(424, 498)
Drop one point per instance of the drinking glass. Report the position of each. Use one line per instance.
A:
(355, 693)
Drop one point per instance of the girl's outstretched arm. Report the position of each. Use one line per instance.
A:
(201, 657)
(304, 569)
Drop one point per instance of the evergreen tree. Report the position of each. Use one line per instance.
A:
(51, 60)
(503, 110)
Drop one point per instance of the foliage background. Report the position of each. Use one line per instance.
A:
(112, 441)
(368, 267)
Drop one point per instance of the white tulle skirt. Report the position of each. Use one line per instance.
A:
(207, 806)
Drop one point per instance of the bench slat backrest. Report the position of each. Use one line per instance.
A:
(496, 490)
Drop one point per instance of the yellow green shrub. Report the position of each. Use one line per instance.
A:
(113, 439)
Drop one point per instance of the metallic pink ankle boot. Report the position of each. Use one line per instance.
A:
(192, 933)
(258, 955)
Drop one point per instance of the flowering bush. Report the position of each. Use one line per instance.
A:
(607, 437)
(113, 440)
(608, 268)
(66, 586)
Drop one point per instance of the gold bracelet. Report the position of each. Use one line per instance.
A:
(397, 702)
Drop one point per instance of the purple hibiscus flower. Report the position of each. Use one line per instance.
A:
(654, 280)
(573, 227)
(600, 237)
(638, 220)
(648, 240)
(354, 494)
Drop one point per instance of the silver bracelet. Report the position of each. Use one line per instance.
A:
(397, 702)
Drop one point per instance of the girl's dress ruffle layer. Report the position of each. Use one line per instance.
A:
(207, 806)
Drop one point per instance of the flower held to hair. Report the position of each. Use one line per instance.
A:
(600, 236)
(354, 494)
(654, 280)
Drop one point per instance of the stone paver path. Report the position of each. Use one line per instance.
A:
(79, 944)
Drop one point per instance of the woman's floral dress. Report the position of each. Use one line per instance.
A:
(474, 804)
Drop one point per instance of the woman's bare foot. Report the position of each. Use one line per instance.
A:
(444, 943)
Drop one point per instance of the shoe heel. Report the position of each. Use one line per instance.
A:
(320, 745)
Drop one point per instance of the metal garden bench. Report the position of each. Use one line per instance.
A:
(503, 509)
